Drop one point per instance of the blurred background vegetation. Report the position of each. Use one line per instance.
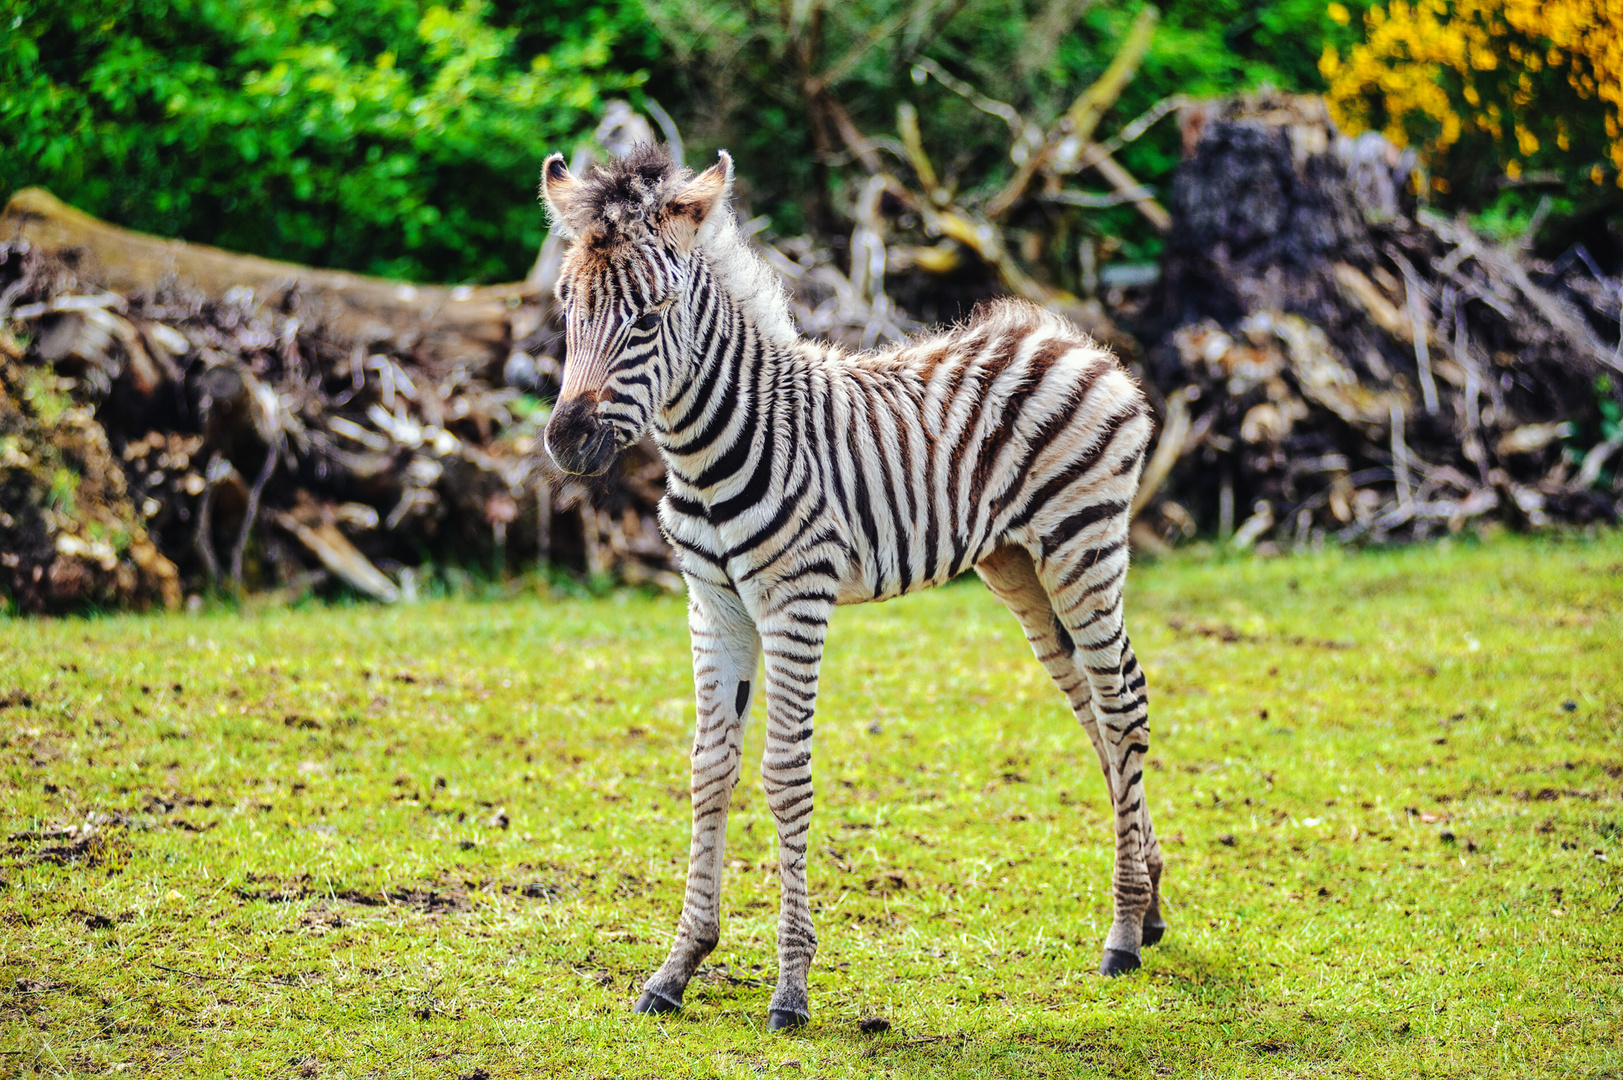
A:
(1513, 103)
(403, 138)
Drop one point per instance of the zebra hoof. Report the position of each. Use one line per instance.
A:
(786, 1019)
(1154, 932)
(1118, 962)
(652, 1003)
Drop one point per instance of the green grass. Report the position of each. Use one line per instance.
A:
(1390, 787)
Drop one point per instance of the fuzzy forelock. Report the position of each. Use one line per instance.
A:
(621, 199)
(621, 202)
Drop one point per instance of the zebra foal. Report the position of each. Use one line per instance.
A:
(801, 476)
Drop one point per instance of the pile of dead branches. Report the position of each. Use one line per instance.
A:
(1336, 364)
(240, 442)
(1331, 362)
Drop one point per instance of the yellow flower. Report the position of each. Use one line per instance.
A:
(1430, 68)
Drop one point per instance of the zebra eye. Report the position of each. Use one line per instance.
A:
(647, 320)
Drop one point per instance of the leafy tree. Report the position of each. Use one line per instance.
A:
(402, 137)
(396, 137)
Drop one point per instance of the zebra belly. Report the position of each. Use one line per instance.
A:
(870, 577)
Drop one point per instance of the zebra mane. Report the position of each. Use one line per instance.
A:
(626, 201)
(753, 284)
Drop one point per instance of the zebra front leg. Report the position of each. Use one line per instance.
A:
(793, 644)
(726, 650)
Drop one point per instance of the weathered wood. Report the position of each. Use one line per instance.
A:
(442, 326)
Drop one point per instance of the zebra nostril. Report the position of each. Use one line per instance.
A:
(577, 441)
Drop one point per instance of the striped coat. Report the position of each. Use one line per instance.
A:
(801, 476)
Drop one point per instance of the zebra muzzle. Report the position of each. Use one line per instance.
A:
(577, 441)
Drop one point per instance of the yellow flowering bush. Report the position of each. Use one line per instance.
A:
(1481, 85)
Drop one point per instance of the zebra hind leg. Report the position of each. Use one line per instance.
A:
(1011, 575)
(1155, 926)
(1083, 578)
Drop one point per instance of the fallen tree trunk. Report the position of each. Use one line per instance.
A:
(441, 327)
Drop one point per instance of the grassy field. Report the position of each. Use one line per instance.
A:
(448, 840)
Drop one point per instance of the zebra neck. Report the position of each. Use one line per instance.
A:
(715, 410)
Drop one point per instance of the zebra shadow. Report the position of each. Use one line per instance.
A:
(1184, 1014)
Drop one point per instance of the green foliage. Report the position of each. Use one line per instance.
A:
(448, 839)
(397, 137)
(403, 137)
(64, 486)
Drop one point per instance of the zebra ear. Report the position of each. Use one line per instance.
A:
(557, 189)
(698, 209)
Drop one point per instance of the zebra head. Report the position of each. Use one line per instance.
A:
(637, 225)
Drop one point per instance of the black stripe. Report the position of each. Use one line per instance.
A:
(786, 510)
(720, 363)
(792, 544)
(1088, 560)
(1067, 644)
(714, 560)
(760, 482)
(732, 393)
(686, 507)
(859, 498)
(704, 330)
(904, 451)
(1070, 527)
(1077, 469)
(883, 422)
(824, 400)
